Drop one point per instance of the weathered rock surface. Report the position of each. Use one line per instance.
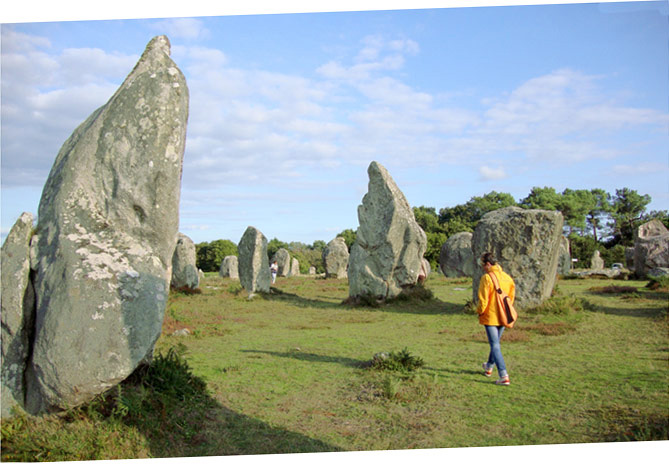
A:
(596, 262)
(564, 259)
(108, 223)
(456, 258)
(229, 267)
(18, 312)
(629, 258)
(184, 268)
(253, 263)
(387, 254)
(294, 267)
(282, 258)
(651, 248)
(526, 244)
(312, 270)
(335, 258)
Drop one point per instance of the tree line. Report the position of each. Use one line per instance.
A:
(594, 220)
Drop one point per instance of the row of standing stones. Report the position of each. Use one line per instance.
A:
(84, 293)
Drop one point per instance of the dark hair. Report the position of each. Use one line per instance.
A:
(488, 258)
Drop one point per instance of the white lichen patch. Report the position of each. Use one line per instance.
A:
(172, 71)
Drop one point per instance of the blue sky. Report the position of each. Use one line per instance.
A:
(288, 110)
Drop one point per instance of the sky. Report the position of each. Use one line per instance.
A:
(287, 110)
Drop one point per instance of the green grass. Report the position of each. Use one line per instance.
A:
(290, 372)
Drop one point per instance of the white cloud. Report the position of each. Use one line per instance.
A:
(488, 173)
(182, 28)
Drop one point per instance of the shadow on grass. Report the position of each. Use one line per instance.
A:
(431, 306)
(310, 357)
(649, 312)
(160, 411)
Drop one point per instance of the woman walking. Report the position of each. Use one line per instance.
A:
(488, 311)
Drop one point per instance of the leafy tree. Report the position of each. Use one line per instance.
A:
(319, 245)
(542, 198)
(574, 206)
(209, 255)
(427, 219)
(582, 248)
(274, 245)
(468, 215)
(600, 207)
(627, 212)
(435, 240)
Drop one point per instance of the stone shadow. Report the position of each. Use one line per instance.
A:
(411, 306)
(178, 416)
(311, 357)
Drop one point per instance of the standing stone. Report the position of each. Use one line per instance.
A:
(108, 223)
(335, 258)
(629, 258)
(282, 258)
(596, 262)
(294, 267)
(651, 248)
(526, 244)
(18, 312)
(564, 260)
(312, 270)
(456, 258)
(229, 267)
(387, 254)
(184, 269)
(253, 263)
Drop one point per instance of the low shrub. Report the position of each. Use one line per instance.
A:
(559, 305)
(402, 361)
(613, 289)
(658, 283)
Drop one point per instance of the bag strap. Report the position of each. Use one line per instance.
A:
(495, 282)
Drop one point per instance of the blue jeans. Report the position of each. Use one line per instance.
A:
(494, 334)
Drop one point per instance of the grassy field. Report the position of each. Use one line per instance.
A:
(290, 372)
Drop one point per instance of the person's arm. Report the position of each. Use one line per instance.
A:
(484, 287)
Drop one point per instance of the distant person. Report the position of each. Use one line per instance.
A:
(489, 314)
(422, 273)
(274, 269)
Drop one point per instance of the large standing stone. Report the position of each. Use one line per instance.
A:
(456, 258)
(596, 262)
(253, 263)
(108, 223)
(387, 254)
(282, 258)
(229, 267)
(294, 267)
(564, 259)
(184, 268)
(651, 248)
(526, 244)
(335, 258)
(18, 312)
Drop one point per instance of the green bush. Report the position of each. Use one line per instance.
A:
(560, 305)
(402, 361)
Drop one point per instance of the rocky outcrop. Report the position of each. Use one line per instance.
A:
(184, 269)
(456, 258)
(229, 267)
(387, 254)
(526, 244)
(108, 223)
(651, 248)
(253, 263)
(282, 258)
(18, 312)
(596, 262)
(335, 259)
(564, 259)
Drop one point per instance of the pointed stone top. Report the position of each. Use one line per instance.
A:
(159, 44)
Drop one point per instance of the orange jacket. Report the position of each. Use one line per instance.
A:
(487, 308)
